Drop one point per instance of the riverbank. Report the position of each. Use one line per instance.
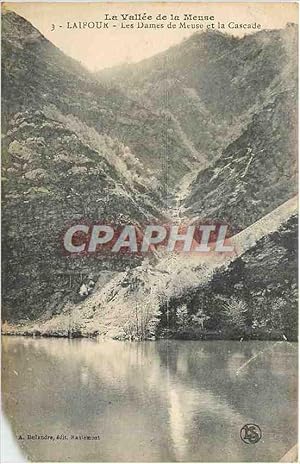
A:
(193, 335)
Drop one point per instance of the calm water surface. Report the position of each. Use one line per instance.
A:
(152, 401)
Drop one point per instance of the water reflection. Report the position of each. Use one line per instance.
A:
(152, 401)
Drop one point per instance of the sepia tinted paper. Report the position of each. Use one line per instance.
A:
(149, 232)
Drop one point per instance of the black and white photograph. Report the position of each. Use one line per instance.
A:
(149, 232)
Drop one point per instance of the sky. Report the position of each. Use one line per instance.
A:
(103, 48)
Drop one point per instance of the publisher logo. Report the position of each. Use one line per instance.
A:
(250, 433)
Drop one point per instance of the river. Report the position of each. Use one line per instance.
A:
(149, 401)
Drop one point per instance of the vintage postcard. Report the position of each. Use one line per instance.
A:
(149, 232)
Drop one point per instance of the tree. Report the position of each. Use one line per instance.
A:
(200, 318)
(182, 316)
(147, 315)
(235, 310)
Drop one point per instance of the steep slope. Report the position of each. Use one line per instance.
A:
(254, 174)
(63, 161)
(252, 294)
(211, 83)
(52, 177)
(37, 74)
